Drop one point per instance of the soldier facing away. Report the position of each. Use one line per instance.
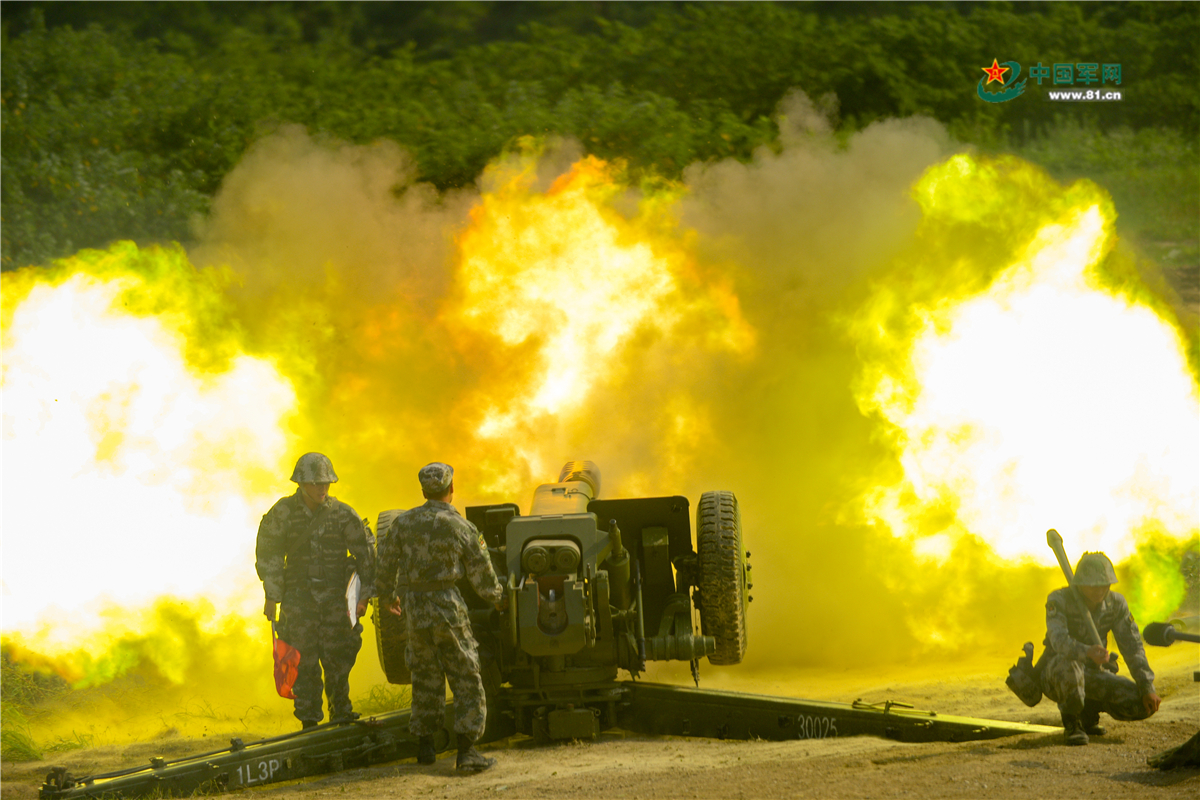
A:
(309, 547)
(1075, 676)
(434, 547)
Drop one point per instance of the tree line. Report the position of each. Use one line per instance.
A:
(119, 120)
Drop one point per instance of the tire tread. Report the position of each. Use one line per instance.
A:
(722, 576)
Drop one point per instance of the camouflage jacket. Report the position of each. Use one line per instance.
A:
(1067, 631)
(302, 553)
(434, 544)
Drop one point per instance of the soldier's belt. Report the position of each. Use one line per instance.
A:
(430, 586)
(319, 573)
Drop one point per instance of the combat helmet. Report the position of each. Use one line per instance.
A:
(314, 468)
(1094, 569)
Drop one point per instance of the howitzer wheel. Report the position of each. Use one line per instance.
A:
(722, 558)
(391, 632)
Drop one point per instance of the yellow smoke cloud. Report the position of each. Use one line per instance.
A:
(724, 333)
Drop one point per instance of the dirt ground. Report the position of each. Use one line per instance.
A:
(625, 766)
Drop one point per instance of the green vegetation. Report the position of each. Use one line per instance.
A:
(384, 697)
(16, 739)
(119, 120)
(23, 685)
(1153, 175)
(22, 688)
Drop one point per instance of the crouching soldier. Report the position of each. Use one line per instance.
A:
(1078, 674)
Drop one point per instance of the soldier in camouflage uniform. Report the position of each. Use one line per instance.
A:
(1073, 675)
(434, 547)
(309, 546)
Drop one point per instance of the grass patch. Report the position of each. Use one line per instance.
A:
(23, 688)
(383, 698)
(16, 737)
(78, 741)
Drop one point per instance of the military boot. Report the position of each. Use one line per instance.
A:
(426, 754)
(470, 760)
(1073, 733)
(1090, 720)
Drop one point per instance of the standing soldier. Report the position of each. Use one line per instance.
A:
(434, 547)
(1074, 676)
(309, 547)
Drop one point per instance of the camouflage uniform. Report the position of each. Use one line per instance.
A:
(305, 560)
(435, 547)
(1073, 680)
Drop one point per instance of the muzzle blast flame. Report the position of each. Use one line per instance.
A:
(1008, 376)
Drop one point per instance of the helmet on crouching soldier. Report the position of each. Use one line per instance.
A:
(1094, 569)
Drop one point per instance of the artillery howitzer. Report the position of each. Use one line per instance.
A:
(595, 586)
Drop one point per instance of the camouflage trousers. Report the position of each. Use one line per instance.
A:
(1074, 684)
(437, 655)
(323, 635)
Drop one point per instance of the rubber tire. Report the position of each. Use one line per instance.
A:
(391, 632)
(722, 558)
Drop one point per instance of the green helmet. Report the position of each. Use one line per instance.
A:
(314, 468)
(1094, 569)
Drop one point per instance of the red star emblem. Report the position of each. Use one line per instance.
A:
(995, 72)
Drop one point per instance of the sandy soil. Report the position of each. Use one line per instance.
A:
(622, 766)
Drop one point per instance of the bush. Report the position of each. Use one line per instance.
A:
(110, 133)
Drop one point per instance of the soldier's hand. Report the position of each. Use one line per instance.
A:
(361, 609)
(269, 609)
(395, 608)
(1098, 654)
(1151, 701)
(503, 604)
